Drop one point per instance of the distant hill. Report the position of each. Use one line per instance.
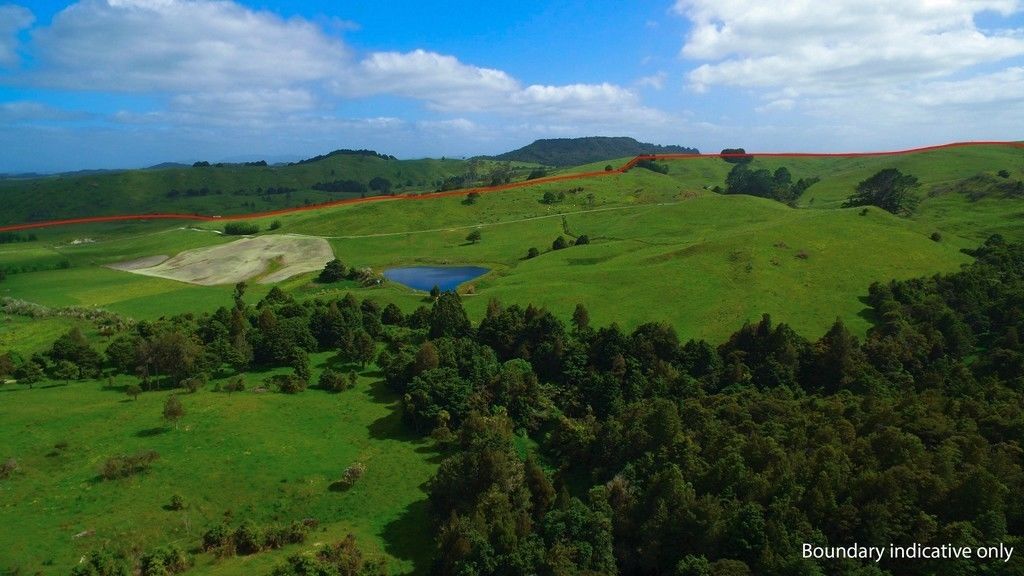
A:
(576, 151)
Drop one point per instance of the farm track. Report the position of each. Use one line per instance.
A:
(483, 189)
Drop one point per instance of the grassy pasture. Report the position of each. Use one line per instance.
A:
(268, 457)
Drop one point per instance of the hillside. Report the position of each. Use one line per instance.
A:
(576, 151)
(660, 248)
(215, 189)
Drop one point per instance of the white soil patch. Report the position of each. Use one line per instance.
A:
(266, 259)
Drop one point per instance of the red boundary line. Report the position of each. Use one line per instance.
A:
(486, 189)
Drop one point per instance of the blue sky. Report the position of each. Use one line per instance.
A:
(127, 83)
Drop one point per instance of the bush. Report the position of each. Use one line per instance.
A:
(532, 253)
(333, 381)
(287, 383)
(165, 560)
(351, 475)
(582, 240)
(241, 228)
(559, 243)
(176, 503)
(275, 224)
(1004, 174)
(936, 237)
(128, 464)
(249, 538)
(8, 468)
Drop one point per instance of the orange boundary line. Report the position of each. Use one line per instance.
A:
(485, 189)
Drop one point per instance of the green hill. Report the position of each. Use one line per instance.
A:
(576, 151)
(238, 188)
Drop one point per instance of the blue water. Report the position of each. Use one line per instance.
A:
(424, 278)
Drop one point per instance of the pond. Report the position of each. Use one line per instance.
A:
(424, 278)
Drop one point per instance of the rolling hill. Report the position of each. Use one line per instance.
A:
(576, 151)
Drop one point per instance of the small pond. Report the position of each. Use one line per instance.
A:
(424, 278)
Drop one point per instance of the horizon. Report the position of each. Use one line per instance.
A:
(123, 84)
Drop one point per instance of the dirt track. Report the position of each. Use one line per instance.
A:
(266, 259)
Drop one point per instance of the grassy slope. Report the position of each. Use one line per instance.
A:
(261, 456)
(144, 191)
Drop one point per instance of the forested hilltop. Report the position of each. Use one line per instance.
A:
(576, 151)
(577, 449)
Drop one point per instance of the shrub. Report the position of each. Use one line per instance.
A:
(333, 381)
(216, 538)
(352, 474)
(532, 253)
(126, 465)
(249, 538)
(275, 224)
(936, 237)
(287, 383)
(582, 240)
(8, 468)
(176, 503)
(1004, 174)
(241, 228)
(608, 168)
(559, 243)
(165, 560)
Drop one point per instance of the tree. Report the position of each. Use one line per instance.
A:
(173, 410)
(532, 253)
(380, 184)
(65, 370)
(447, 317)
(582, 240)
(473, 236)
(29, 373)
(580, 318)
(133, 390)
(365, 348)
(559, 243)
(334, 271)
(239, 292)
(299, 361)
(435, 292)
(736, 156)
(236, 384)
(471, 198)
(890, 190)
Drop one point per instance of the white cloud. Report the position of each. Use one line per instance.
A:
(821, 47)
(13, 19)
(655, 81)
(180, 46)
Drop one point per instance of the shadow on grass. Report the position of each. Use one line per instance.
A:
(868, 313)
(410, 537)
(150, 432)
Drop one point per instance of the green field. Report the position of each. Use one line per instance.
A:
(663, 247)
(259, 456)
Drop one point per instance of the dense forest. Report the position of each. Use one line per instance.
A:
(574, 449)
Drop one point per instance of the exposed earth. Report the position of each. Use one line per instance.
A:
(266, 259)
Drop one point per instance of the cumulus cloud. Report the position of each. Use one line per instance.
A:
(822, 47)
(180, 46)
(13, 19)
